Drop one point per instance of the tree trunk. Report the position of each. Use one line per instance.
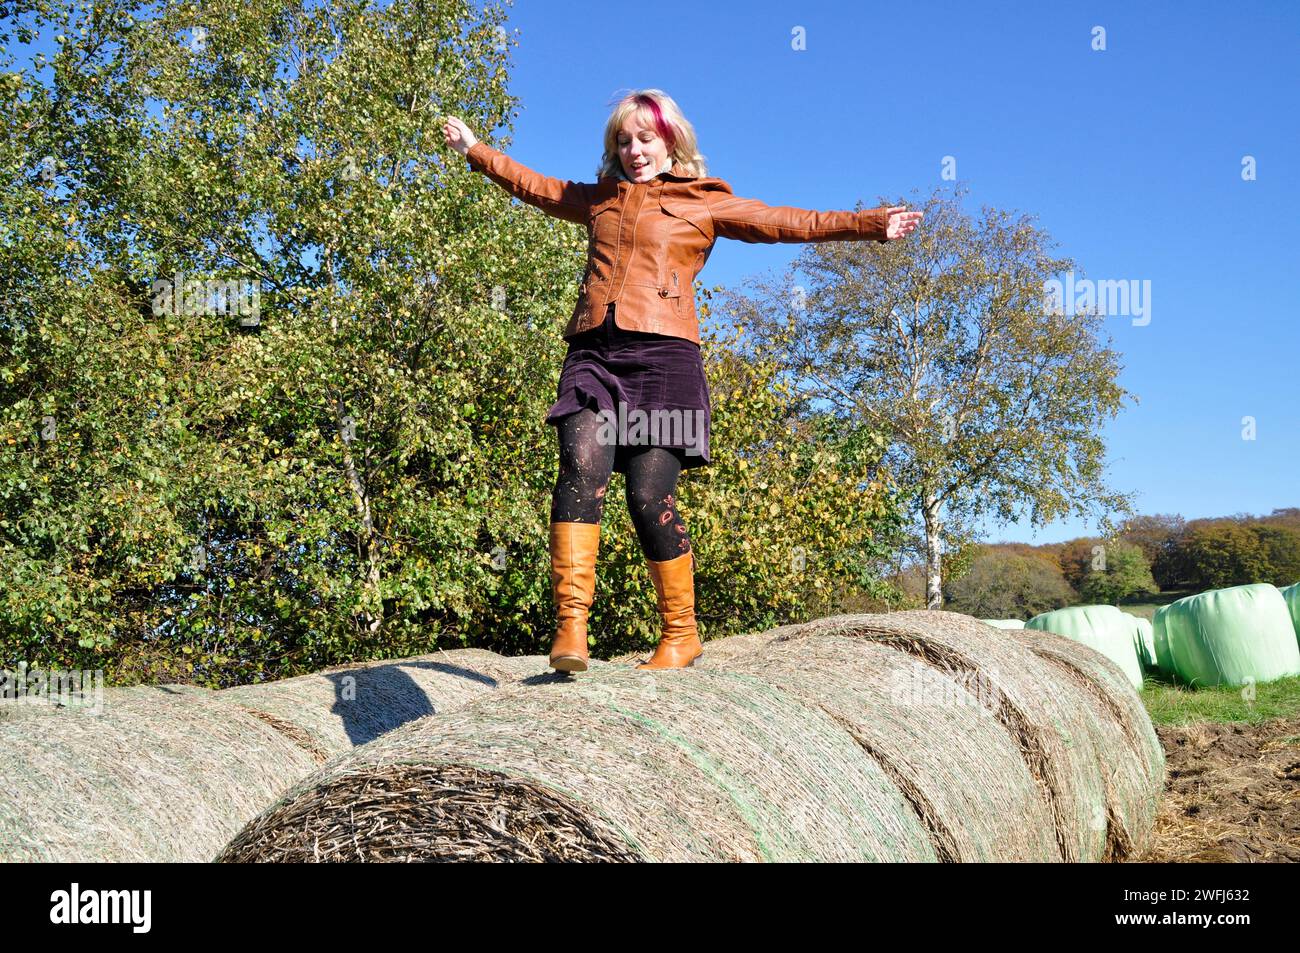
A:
(933, 553)
(371, 621)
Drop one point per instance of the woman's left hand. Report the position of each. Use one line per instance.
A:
(901, 221)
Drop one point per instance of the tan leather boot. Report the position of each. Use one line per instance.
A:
(573, 585)
(679, 643)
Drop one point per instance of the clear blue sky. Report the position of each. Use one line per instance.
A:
(1130, 157)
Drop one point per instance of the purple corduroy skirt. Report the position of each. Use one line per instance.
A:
(651, 387)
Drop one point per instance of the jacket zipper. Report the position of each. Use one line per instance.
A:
(618, 244)
(632, 252)
(663, 292)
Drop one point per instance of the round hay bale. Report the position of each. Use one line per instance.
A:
(91, 702)
(186, 742)
(1005, 623)
(619, 764)
(336, 709)
(1106, 705)
(1134, 768)
(935, 736)
(1045, 716)
(604, 767)
(165, 773)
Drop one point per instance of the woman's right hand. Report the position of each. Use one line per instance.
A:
(457, 134)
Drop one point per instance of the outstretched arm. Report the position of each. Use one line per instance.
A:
(749, 220)
(558, 197)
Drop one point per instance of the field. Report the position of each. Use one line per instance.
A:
(1145, 606)
(1233, 791)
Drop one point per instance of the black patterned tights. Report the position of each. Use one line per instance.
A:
(585, 467)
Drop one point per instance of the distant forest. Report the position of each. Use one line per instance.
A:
(1150, 555)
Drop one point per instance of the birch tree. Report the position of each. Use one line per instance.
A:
(992, 399)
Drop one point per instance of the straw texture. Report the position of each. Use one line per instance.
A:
(906, 736)
(931, 731)
(1133, 768)
(172, 772)
(1048, 725)
(651, 765)
(157, 775)
(715, 650)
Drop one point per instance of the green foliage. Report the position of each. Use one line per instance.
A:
(1224, 551)
(1006, 585)
(957, 558)
(1125, 574)
(1281, 549)
(1225, 554)
(359, 469)
(1158, 537)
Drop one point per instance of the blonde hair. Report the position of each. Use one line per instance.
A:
(656, 109)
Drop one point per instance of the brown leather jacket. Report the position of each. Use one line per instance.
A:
(648, 240)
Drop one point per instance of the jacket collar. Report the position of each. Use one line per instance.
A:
(675, 174)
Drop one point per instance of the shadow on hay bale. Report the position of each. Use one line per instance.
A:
(821, 742)
(171, 773)
(331, 711)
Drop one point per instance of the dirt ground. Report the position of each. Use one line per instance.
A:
(1233, 794)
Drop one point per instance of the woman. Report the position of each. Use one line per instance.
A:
(632, 396)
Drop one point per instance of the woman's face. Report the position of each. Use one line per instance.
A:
(641, 150)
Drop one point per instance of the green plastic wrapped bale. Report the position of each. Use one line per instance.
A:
(1005, 623)
(1103, 628)
(1228, 637)
(1144, 642)
(1163, 663)
(1292, 596)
